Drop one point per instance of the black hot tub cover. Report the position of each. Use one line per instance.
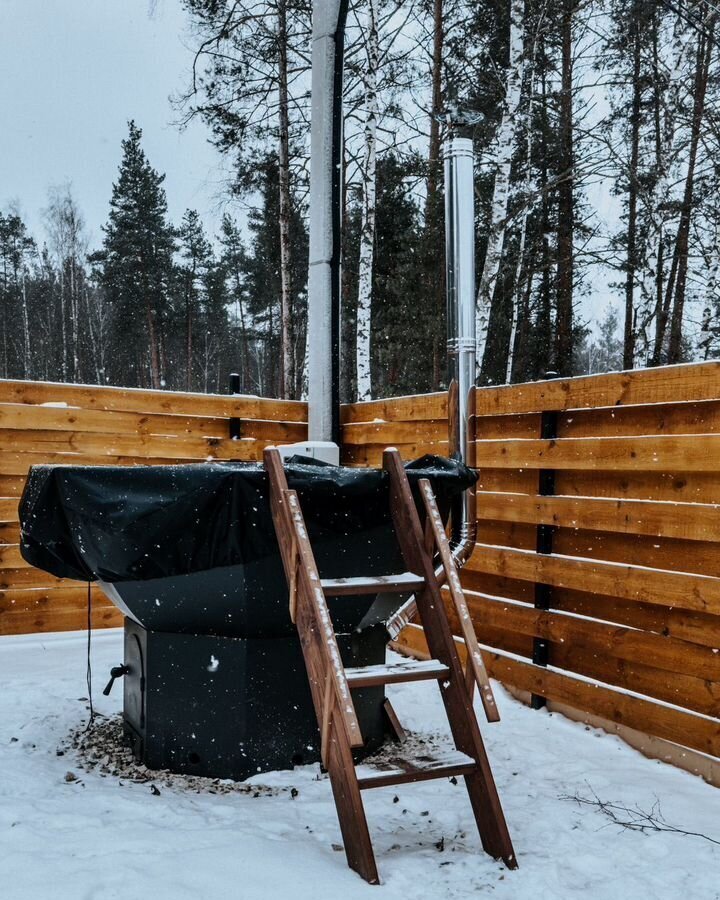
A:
(122, 523)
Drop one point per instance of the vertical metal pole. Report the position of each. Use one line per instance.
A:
(460, 280)
(326, 190)
(544, 544)
(461, 346)
(234, 423)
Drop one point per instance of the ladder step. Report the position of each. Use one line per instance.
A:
(400, 771)
(396, 673)
(405, 582)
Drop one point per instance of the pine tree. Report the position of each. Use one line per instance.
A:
(265, 284)
(16, 249)
(252, 93)
(401, 346)
(136, 267)
(233, 261)
(195, 263)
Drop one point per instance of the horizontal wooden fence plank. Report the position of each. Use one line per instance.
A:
(47, 620)
(19, 463)
(673, 554)
(30, 599)
(147, 446)
(421, 407)
(148, 401)
(37, 419)
(9, 509)
(689, 453)
(660, 418)
(10, 557)
(688, 625)
(689, 521)
(671, 724)
(667, 384)
(597, 638)
(11, 486)
(371, 454)
(658, 586)
(493, 427)
(691, 692)
(673, 485)
(29, 576)
(387, 433)
(686, 691)
(9, 532)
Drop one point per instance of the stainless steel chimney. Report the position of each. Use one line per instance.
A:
(460, 281)
(461, 344)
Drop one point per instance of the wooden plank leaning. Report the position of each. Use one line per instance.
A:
(475, 672)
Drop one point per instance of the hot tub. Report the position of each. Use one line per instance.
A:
(216, 683)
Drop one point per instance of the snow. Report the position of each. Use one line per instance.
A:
(101, 837)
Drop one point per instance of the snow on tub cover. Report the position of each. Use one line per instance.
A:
(192, 548)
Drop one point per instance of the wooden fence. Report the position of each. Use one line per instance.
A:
(57, 423)
(595, 581)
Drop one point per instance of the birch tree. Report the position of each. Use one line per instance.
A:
(369, 191)
(503, 154)
(250, 83)
(68, 243)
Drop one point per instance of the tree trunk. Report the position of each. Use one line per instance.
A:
(501, 190)
(434, 260)
(702, 70)
(367, 228)
(74, 320)
(155, 379)
(27, 363)
(434, 146)
(712, 262)
(286, 323)
(188, 332)
(664, 140)
(566, 205)
(244, 348)
(63, 323)
(631, 264)
(544, 341)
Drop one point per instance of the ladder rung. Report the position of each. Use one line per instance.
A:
(396, 673)
(379, 584)
(401, 771)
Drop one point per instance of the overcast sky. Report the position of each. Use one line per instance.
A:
(73, 73)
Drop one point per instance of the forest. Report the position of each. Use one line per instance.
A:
(596, 128)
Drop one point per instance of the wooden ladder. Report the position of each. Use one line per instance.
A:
(332, 684)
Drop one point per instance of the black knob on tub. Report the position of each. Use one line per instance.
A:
(115, 672)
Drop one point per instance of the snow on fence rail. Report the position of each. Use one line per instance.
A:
(90, 425)
(616, 478)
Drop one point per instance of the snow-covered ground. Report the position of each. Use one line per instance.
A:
(101, 837)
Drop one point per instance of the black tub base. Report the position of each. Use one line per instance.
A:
(228, 707)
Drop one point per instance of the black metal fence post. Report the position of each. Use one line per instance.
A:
(234, 423)
(544, 543)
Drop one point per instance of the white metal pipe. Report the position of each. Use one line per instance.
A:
(462, 347)
(323, 276)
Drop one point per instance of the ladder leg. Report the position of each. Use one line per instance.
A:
(350, 810)
(488, 812)
(480, 784)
